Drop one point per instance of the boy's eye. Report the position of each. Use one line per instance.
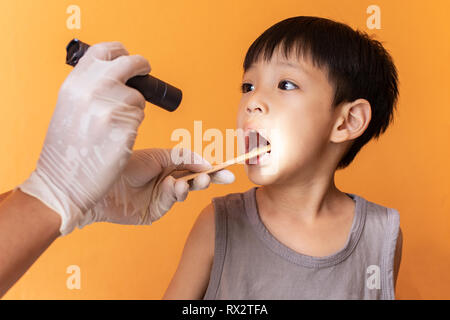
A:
(285, 85)
(245, 87)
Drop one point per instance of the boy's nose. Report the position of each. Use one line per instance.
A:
(255, 108)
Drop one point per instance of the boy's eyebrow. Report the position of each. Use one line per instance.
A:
(293, 65)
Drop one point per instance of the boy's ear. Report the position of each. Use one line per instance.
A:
(352, 120)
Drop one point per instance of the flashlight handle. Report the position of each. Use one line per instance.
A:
(154, 90)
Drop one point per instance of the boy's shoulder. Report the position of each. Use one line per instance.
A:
(203, 231)
(232, 204)
(377, 210)
(233, 196)
(220, 203)
(383, 226)
(381, 222)
(205, 219)
(215, 213)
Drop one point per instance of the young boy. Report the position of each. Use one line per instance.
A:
(327, 90)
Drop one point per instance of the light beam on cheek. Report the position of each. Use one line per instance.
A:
(278, 147)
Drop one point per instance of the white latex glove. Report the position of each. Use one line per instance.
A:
(91, 133)
(146, 190)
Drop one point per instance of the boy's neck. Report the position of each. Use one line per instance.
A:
(305, 202)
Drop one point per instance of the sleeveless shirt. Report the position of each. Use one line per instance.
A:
(250, 263)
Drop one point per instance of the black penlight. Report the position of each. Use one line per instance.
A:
(154, 90)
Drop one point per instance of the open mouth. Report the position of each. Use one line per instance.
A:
(255, 139)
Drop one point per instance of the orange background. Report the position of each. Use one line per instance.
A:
(199, 46)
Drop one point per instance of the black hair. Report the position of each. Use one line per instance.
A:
(357, 65)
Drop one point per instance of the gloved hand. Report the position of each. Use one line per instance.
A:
(147, 188)
(91, 133)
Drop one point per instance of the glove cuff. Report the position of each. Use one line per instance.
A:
(40, 186)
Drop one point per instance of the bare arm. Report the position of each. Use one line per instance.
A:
(192, 276)
(3, 196)
(27, 228)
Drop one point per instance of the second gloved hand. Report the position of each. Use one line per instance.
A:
(91, 133)
(146, 190)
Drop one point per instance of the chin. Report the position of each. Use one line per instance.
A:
(261, 175)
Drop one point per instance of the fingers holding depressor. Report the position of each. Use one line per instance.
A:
(203, 180)
(181, 189)
(222, 177)
(173, 190)
(200, 182)
(186, 159)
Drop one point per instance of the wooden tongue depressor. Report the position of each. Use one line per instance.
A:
(243, 157)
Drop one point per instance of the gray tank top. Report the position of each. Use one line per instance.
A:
(249, 263)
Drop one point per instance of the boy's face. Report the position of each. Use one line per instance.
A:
(291, 104)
